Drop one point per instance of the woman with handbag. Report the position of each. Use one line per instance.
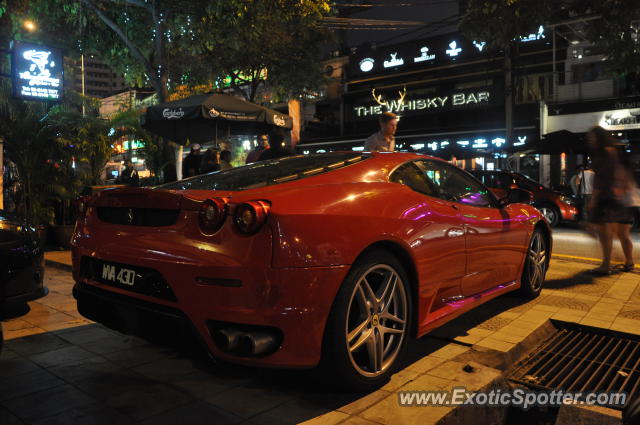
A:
(610, 207)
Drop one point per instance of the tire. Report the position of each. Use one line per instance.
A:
(550, 213)
(367, 330)
(535, 265)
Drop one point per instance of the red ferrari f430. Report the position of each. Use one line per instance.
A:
(334, 260)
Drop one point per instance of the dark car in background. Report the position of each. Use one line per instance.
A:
(554, 206)
(21, 263)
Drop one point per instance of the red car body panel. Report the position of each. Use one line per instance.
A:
(291, 270)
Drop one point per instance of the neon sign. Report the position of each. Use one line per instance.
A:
(393, 61)
(479, 45)
(437, 102)
(366, 64)
(424, 56)
(37, 72)
(453, 50)
(533, 37)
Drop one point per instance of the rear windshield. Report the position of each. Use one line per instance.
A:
(267, 173)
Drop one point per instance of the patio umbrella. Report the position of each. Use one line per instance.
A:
(206, 117)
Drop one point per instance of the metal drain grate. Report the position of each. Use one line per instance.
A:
(583, 359)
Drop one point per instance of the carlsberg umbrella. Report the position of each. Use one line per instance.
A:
(201, 118)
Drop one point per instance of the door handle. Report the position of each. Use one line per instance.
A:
(455, 233)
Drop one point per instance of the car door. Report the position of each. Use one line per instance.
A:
(436, 237)
(494, 236)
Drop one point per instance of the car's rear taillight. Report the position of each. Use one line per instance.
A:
(250, 216)
(212, 215)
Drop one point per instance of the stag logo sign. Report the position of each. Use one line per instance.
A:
(37, 72)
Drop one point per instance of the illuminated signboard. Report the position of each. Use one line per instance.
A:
(37, 72)
(442, 102)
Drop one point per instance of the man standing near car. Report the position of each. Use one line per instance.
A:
(384, 140)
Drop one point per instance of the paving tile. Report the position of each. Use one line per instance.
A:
(138, 355)
(85, 369)
(426, 363)
(8, 418)
(356, 420)
(92, 414)
(235, 401)
(200, 383)
(165, 369)
(299, 410)
(36, 344)
(27, 383)
(381, 413)
(363, 402)
(450, 351)
(47, 403)
(17, 366)
(195, 413)
(496, 344)
(85, 334)
(143, 403)
(61, 356)
(112, 343)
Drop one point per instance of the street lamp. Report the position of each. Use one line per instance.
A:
(29, 25)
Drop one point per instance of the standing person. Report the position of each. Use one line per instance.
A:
(384, 140)
(210, 161)
(607, 211)
(225, 160)
(263, 144)
(191, 164)
(276, 148)
(129, 175)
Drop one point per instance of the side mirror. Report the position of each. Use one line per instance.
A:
(517, 196)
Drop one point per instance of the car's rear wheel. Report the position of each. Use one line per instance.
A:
(535, 266)
(369, 324)
(550, 213)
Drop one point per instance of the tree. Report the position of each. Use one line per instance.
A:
(28, 142)
(500, 23)
(252, 43)
(617, 32)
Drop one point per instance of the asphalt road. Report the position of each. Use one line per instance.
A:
(578, 243)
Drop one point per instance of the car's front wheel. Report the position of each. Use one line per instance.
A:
(370, 322)
(535, 266)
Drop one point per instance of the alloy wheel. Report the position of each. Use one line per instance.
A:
(537, 261)
(376, 320)
(549, 214)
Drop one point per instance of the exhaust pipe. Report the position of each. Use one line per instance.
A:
(227, 339)
(256, 344)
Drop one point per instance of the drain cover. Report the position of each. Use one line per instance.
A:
(583, 359)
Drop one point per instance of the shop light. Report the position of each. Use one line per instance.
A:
(521, 141)
(498, 141)
(453, 50)
(480, 143)
(463, 142)
(357, 148)
(417, 146)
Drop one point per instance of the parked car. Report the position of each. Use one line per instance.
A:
(554, 206)
(21, 263)
(333, 260)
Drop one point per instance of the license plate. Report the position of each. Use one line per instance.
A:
(116, 274)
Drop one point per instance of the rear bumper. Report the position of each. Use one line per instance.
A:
(295, 301)
(24, 284)
(569, 212)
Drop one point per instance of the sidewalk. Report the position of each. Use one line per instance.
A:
(60, 259)
(59, 368)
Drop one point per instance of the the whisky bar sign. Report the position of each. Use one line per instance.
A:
(401, 104)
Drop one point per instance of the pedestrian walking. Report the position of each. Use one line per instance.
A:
(384, 140)
(210, 161)
(610, 210)
(263, 144)
(191, 163)
(225, 160)
(582, 187)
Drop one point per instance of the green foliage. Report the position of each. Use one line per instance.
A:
(618, 32)
(283, 37)
(499, 22)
